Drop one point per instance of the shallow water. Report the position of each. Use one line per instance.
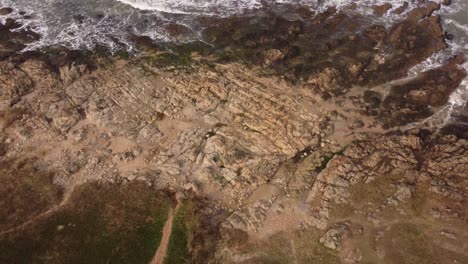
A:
(83, 24)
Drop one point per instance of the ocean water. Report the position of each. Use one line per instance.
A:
(83, 24)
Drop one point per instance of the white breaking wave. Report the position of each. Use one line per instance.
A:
(197, 7)
(229, 7)
(54, 19)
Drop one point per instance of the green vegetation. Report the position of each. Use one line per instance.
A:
(26, 192)
(186, 224)
(168, 59)
(218, 177)
(179, 56)
(100, 224)
(327, 159)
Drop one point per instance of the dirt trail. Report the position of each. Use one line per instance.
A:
(47, 213)
(163, 245)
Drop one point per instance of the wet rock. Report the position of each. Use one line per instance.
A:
(376, 33)
(423, 11)
(175, 29)
(11, 24)
(449, 36)
(5, 11)
(380, 10)
(411, 101)
(410, 41)
(13, 38)
(322, 17)
(79, 18)
(402, 8)
(304, 12)
(431, 7)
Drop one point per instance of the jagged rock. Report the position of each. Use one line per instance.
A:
(402, 8)
(333, 237)
(325, 82)
(126, 156)
(5, 11)
(446, 163)
(403, 193)
(380, 10)
(14, 82)
(226, 130)
(417, 37)
(71, 73)
(412, 100)
(272, 56)
(357, 124)
(376, 33)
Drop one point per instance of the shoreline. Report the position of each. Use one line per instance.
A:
(287, 55)
(281, 143)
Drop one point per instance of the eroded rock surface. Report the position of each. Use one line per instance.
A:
(286, 127)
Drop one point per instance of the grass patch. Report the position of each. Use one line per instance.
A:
(186, 224)
(219, 178)
(26, 192)
(327, 159)
(168, 59)
(101, 224)
(179, 56)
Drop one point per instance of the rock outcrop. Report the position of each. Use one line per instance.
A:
(284, 125)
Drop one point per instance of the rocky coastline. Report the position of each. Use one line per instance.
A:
(281, 135)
